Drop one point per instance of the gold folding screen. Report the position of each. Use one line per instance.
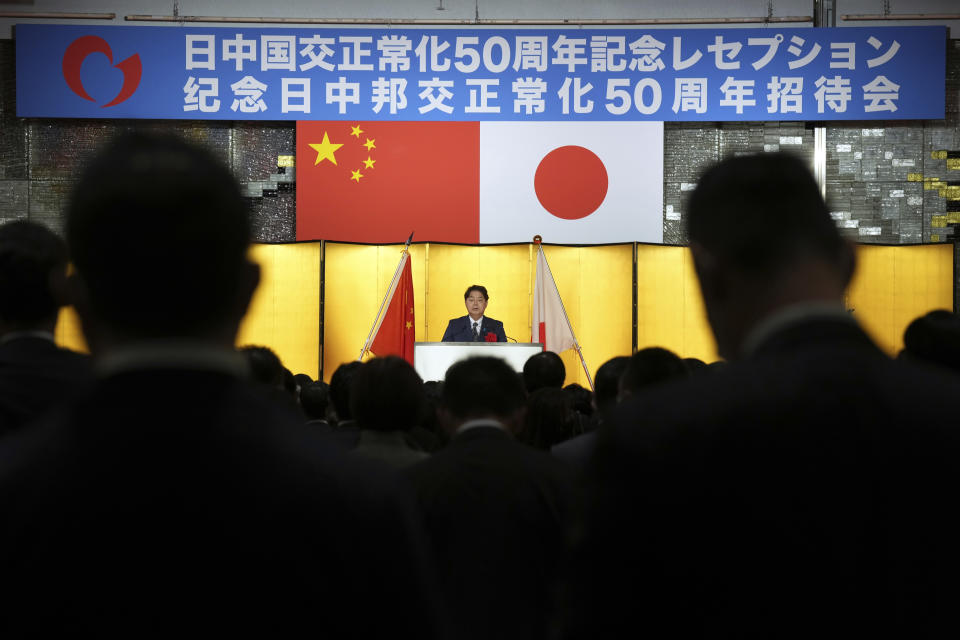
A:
(285, 311)
(670, 310)
(893, 285)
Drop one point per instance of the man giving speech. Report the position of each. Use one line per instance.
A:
(474, 327)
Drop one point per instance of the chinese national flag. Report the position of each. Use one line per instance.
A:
(395, 334)
(386, 178)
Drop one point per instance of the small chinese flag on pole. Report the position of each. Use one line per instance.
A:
(395, 334)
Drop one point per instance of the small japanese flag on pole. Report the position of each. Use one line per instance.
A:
(550, 326)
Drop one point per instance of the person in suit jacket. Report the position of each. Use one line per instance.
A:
(805, 489)
(577, 451)
(496, 510)
(387, 400)
(176, 493)
(474, 327)
(644, 369)
(343, 431)
(35, 374)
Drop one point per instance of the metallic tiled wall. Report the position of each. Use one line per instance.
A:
(690, 147)
(887, 182)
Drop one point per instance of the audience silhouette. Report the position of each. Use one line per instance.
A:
(650, 367)
(496, 510)
(176, 496)
(387, 400)
(34, 373)
(550, 419)
(934, 339)
(803, 490)
(315, 402)
(543, 370)
(800, 489)
(621, 377)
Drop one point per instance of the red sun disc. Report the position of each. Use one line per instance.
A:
(571, 182)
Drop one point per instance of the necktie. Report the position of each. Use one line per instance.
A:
(476, 331)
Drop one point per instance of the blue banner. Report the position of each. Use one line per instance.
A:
(76, 71)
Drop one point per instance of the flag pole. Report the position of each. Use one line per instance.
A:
(390, 288)
(576, 344)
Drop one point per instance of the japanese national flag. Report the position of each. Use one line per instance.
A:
(550, 324)
(571, 182)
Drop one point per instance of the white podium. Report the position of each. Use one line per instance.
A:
(432, 359)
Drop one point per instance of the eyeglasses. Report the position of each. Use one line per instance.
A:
(476, 299)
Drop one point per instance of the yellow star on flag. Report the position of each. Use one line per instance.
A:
(369, 144)
(325, 150)
(369, 163)
(409, 326)
(356, 131)
(356, 175)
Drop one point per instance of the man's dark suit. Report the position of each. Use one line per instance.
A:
(461, 330)
(172, 499)
(576, 451)
(496, 511)
(345, 435)
(808, 490)
(35, 375)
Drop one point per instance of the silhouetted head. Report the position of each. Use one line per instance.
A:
(483, 387)
(33, 263)
(314, 399)
(340, 384)
(433, 390)
(290, 384)
(650, 367)
(762, 239)
(387, 394)
(934, 338)
(265, 366)
(543, 370)
(696, 366)
(158, 232)
(580, 397)
(550, 419)
(606, 384)
(302, 380)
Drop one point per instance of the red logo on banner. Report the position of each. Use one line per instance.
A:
(82, 47)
